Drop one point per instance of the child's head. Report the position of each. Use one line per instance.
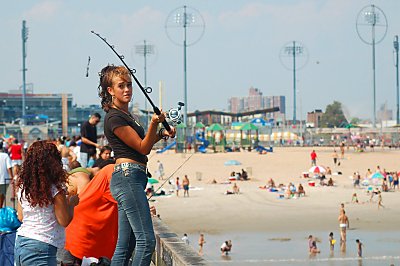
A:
(331, 234)
(107, 76)
(357, 241)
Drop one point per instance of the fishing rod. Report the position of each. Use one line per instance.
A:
(177, 169)
(146, 91)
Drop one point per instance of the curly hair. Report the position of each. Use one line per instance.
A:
(106, 78)
(41, 170)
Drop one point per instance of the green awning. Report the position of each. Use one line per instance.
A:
(249, 126)
(199, 125)
(215, 127)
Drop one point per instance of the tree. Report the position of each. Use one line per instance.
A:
(333, 116)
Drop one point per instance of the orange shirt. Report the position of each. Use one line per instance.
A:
(93, 232)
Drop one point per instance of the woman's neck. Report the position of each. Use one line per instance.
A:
(122, 107)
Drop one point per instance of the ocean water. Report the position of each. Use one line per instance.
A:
(379, 248)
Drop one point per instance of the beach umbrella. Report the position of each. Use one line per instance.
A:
(377, 175)
(232, 162)
(152, 180)
(216, 127)
(317, 169)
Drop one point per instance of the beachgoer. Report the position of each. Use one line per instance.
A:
(380, 200)
(235, 188)
(271, 183)
(332, 242)
(312, 245)
(368, 173)
(96, 216)
(226, 247)
(335, 157)
(185, 239)
(342, 145)
(201, 244)
(160, 168)
(104, 158)
(185, 185)
(130, 144)
(395, 181)
(359, 247)
(301, 191)
(16, 153)
(343, 224)
(330, 182)
(354, 198)
(6, 174)
(89, 139)
(244, 175)
(43, 207)
(313, 156)
(328, 170)
(341, 209)
(177, 186)
(67, 155)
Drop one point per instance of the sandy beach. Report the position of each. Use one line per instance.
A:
(209, 210)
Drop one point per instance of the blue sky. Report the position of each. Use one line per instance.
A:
(240, 48)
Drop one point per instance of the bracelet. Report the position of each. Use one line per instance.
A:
(161, 134)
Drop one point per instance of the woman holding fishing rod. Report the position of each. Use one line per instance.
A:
(130, 145)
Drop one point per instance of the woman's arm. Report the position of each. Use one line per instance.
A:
(64, 208)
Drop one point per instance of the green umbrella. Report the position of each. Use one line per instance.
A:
(215, 127)
(249, 126)
(152, 180)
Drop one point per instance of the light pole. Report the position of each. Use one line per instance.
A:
(145, 49)
(288, 55)
(371, 16)
(185, 17)
(396, 64)
(24, 34)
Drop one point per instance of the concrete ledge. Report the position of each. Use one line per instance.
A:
(171, 250)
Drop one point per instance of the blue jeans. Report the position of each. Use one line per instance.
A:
(29, 251)
(135, 227)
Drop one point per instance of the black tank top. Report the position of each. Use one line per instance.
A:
(117, 118)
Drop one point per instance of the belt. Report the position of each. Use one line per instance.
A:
(124, 166)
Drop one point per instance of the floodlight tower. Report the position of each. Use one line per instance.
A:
(145, 49)
(185, 17)
(372, 16)
(294, 50)
(24, 34)
(396, 64)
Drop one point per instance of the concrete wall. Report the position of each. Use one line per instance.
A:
(171, 250)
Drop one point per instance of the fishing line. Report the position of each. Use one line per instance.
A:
(170, 176)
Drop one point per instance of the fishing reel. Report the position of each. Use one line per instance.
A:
(174, 115)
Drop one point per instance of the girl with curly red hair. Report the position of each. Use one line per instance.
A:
(43, 206)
